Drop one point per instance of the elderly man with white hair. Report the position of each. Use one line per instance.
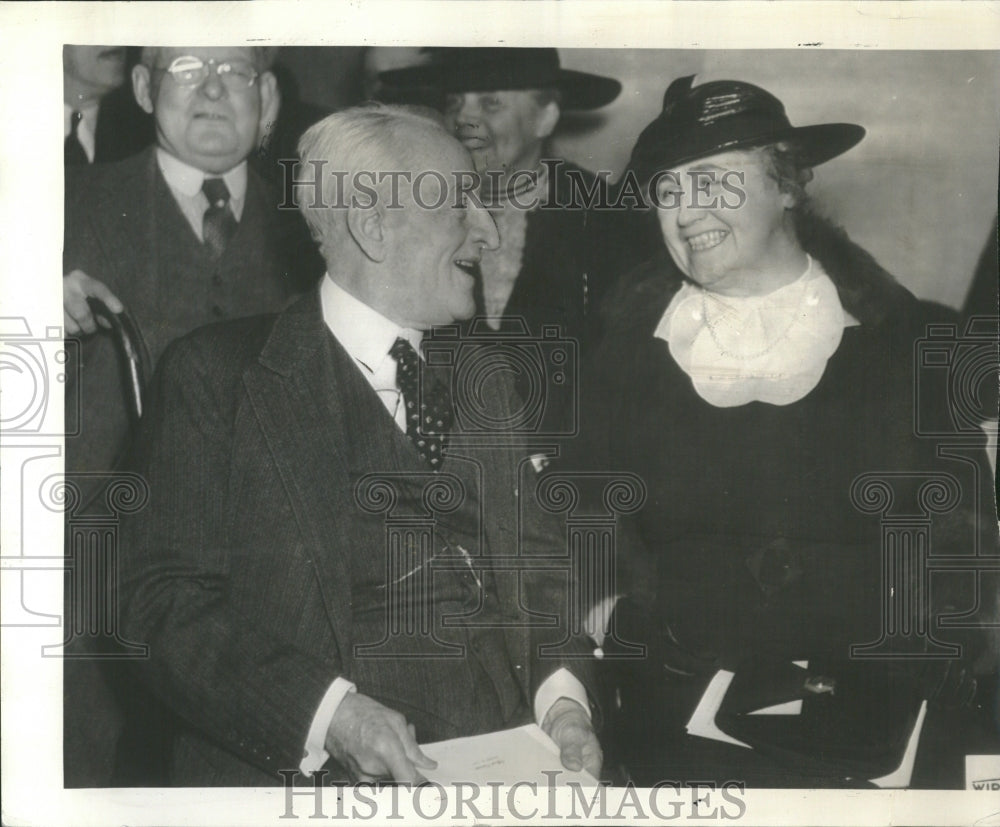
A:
(287, 630)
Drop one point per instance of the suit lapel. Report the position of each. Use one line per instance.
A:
(295, 392)
(325, 429)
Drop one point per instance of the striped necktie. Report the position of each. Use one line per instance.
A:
(219, 224)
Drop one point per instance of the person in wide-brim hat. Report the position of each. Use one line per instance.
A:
(469, 69)
(723, 115)
(697, 122)
(752, 373)
(504, 105)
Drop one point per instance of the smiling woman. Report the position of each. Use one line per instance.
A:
(753, 373)
(739, 249)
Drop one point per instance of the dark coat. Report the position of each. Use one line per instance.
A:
(238, 574)
(559, 282)
(750, 544)
(123, 129)
(124, 228)
(565, 272)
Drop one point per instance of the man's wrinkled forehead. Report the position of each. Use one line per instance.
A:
(436, 161)
(430, 146)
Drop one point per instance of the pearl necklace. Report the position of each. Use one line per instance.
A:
(743, 357)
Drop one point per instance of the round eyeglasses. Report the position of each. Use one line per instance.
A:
(188, 70)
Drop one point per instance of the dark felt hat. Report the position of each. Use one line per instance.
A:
(724, 115)
(494, 69)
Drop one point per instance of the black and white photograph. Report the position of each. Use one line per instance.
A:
(542, 412)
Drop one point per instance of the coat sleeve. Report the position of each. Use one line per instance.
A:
(220, 667)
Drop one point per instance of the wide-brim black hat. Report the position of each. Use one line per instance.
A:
(724, 115)
(493, 69)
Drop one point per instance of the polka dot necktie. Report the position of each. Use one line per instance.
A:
(429, 414)
(219, 223)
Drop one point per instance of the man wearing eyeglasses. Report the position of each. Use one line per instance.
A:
(182, 235)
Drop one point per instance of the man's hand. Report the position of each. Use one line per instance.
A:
(568, 724)
(375, 742)
(77, 288)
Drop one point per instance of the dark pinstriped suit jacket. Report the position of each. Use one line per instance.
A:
(236, 572)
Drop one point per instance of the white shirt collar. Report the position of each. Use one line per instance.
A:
(187, 180)
(365, 334)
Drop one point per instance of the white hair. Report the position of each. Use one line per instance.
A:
(374, 137)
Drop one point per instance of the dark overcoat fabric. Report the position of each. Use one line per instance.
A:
(124, 228)
(566, 269)
(123, 129)
(237, 572)
(750, 543)
(557, 283)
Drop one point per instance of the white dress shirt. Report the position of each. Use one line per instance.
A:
(185, 183)
(368, 336)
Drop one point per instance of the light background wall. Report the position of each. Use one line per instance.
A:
(920, 192)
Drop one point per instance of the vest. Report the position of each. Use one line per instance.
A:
(422, 616)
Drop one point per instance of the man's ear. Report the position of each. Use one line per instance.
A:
(367, 227)
(270, 105)
(142, 87)
(548, 117)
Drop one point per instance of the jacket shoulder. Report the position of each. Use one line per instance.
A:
(95, 181)
(218, 354)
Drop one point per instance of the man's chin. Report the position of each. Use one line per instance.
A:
(213, 137)
(215, 159)
(465, 311)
